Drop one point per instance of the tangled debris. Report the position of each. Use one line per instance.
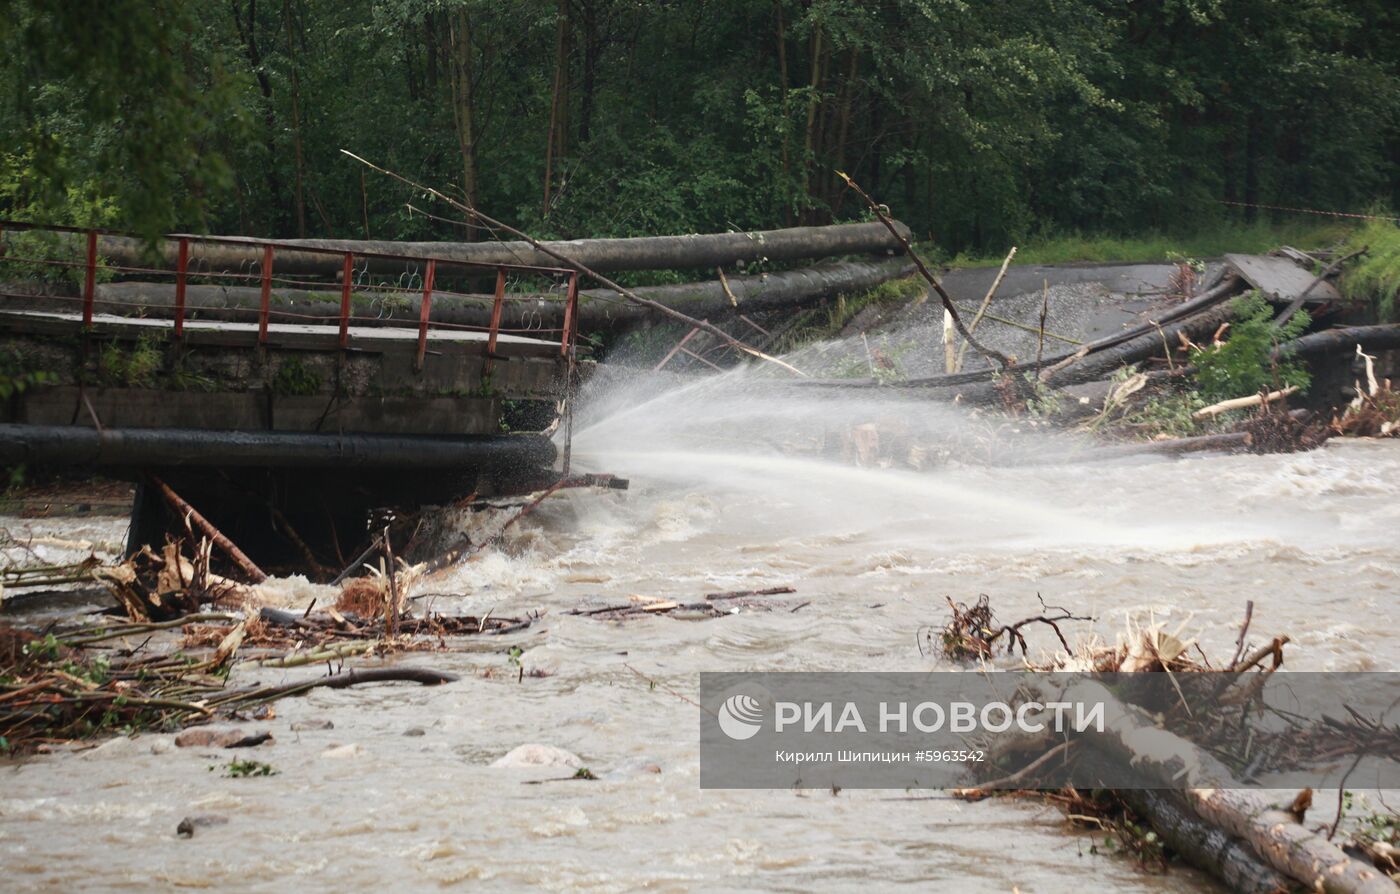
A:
(973, 632)
(165, 663)
(1375, 411)
(1182, 727)
(59, 688)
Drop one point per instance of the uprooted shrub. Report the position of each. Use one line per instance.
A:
(1243, 364)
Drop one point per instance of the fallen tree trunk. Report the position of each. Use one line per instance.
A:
(1229, 442)
(1204, 846)
(1371, 338)
(1240, 403)
(343, 680)
(1210, 792)
(644, 253)
(1088, 365)
(229, 548)
(1200, 315)
(599, 309)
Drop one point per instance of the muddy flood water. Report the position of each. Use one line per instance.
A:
(400, 793)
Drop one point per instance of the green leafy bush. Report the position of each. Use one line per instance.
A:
(1168, 414)
(135, 367)
(1243, 365)
(17, 374)
(295, 379)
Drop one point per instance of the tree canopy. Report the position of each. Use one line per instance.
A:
(978, 123)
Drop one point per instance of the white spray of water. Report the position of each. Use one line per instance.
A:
(746, 440)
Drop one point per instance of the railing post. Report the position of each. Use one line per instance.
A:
(424, 311)
(90, 281)
(182, 264)
(496, 309)
(570, 314)
(346, 281)
(265, 307)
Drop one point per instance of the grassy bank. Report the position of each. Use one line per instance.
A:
(1206, 243)
(1376, 275)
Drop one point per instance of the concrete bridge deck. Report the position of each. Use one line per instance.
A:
(286, 335)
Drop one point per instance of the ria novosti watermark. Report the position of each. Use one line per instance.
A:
(741, 717)
(937, 730)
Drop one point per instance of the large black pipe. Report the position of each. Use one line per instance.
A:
(65, 445)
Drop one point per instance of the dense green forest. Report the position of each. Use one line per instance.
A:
(978, 122)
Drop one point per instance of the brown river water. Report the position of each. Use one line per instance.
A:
(400, 794)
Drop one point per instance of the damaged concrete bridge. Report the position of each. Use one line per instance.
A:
(281, 416)
(290, 390)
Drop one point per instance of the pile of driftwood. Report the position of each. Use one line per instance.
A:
(126, 672)
(1194, 810)
(57, 688)
(113, 677)
(1375, 411)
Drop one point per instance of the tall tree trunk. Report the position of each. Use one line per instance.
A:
(783, 104)
(461, 77)
(1251, 166)
(558, 124)
(813, 103)
(296, 119)
(843, 128)
(591, 49)
(432, 45)
(248, 33)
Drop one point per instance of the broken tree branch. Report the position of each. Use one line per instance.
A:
(1239, 403)
(986, 303)
(185, 510)
(943, 295)
(582, 268)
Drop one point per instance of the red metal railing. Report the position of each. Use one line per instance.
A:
(56, 252)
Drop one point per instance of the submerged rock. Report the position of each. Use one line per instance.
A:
(536, 755)
(204, 737)
(301, 726)
(642, 766)
(341, 752)
(190, 823)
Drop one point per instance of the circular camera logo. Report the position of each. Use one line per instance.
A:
(741, 716)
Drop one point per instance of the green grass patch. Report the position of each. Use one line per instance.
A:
(1255, 238)
(1376, 275)
(825, 321)
(895, 291)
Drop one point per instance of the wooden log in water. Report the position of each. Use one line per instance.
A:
(1202, 845)
(1210, 792)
